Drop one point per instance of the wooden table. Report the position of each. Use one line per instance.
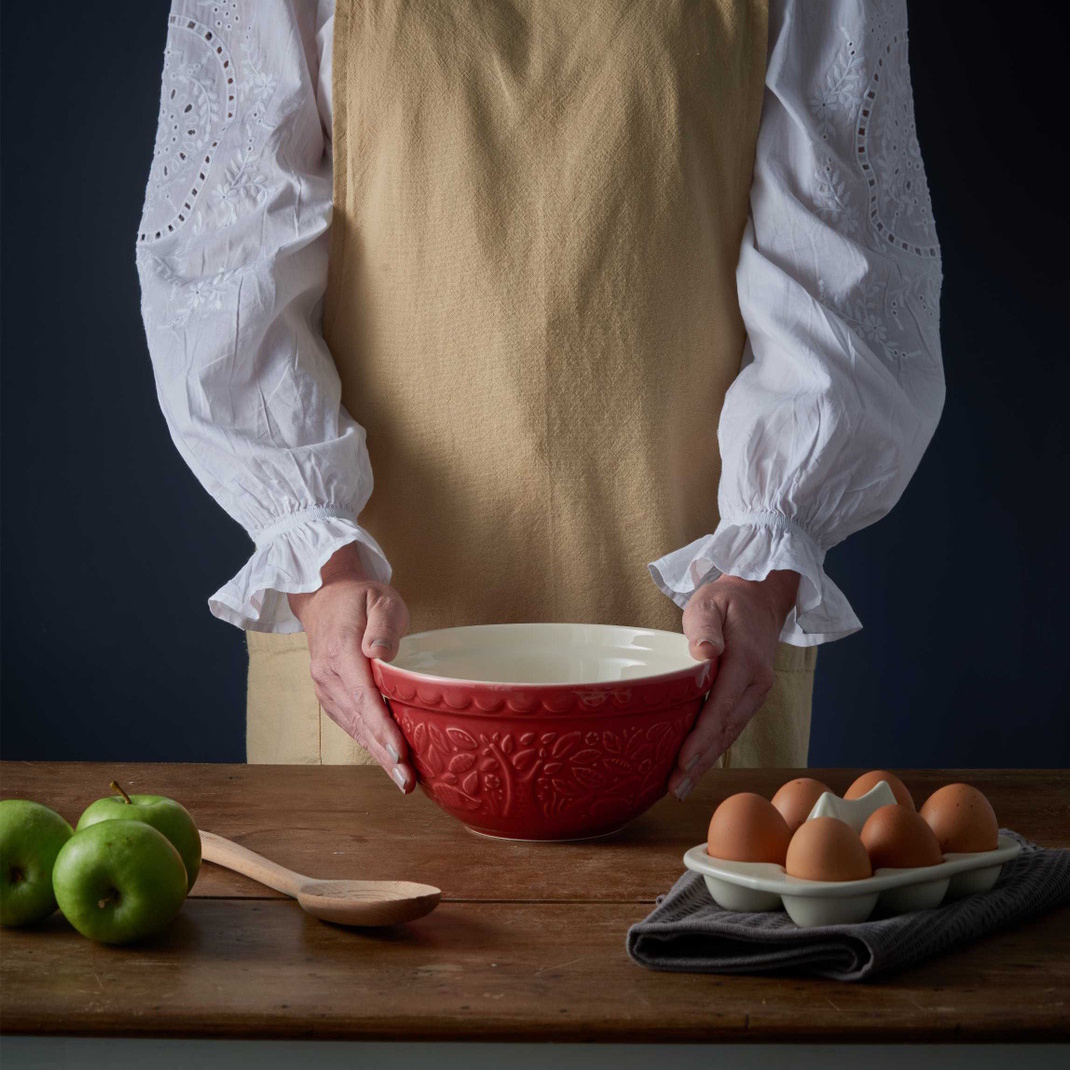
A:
(528, 943)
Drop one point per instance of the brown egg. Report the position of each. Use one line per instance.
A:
(896, 836)
(962, 819)
(796, 799)
(827, 849)
(868, 781)
(746, 828)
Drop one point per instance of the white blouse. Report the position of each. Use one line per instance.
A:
(839, 283)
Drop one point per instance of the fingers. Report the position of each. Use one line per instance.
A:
(722, 735)
(349, 621)
(703, 624)
(348, 716)
(743, 681)
(348, 694)
(387, 622)
(357, 693)
(732, 680)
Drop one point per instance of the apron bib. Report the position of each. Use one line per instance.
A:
(531, 302)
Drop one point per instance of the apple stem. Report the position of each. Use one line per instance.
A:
(115, 787)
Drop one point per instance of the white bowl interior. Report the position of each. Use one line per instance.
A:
(544, 653)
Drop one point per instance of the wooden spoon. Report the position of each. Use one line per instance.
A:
(340, 902)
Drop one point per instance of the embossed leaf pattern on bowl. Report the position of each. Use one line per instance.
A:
(590, 773)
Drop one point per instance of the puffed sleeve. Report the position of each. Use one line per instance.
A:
(841, 385)
(232, 258)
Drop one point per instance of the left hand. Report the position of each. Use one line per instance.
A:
(741, 621)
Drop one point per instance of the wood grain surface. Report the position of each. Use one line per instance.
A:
(528, 943)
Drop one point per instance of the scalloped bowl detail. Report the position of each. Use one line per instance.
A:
(546, 731)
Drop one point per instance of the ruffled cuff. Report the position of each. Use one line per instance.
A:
(751, 546)
(287, 560)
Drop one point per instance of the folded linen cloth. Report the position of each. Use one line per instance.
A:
(688, 932)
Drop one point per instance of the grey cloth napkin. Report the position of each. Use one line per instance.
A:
(688, 932)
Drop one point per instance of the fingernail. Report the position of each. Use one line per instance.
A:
(708, 648)
(380, 642)
(691, 764)
(683, 789)
(392, 751)
(399, 778)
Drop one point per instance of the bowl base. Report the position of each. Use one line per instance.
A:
(523, 839)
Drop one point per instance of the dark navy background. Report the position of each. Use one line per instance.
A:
(111, 548)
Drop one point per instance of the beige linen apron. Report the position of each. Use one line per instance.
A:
(538, 208)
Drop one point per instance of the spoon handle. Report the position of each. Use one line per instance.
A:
(240, 859)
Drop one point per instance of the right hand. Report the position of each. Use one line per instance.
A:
(343, 619)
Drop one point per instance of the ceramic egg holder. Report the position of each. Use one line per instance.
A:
(750, 886)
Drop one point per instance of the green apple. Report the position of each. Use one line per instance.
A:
(30, 838)
(119, 881)
(170, 817)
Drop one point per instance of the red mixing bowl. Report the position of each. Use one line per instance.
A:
(546, 731)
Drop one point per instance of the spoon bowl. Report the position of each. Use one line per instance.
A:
(367, 902)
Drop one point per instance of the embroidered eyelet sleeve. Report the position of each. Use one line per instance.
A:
(839, 277)
(232, 258)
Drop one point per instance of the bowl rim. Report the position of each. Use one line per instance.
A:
(602, 685)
